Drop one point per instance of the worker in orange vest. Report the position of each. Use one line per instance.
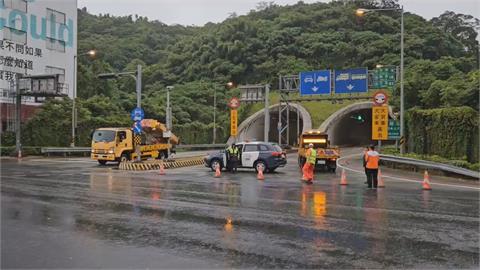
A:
(373, 158)
(309, 166)
(364, 159)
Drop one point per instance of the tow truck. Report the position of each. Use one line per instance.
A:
(326, 155)
(119, 144)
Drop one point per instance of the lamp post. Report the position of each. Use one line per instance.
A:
(361, 12)
(214, 115)
(137, 76)
(90, 53)
(169, 109)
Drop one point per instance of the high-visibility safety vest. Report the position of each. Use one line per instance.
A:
(311, 156)
(232, 151)
(372, 160)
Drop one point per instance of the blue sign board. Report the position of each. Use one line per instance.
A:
(315, 82)
(137, 114)
(351, 81)
(137, 128)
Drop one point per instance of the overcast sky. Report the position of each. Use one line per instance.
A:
(199, 12)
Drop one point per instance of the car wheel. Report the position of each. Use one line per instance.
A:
(102, 162)
(258, 164)
(214, 163)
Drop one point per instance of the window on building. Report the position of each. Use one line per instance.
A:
(55, 45)
(56, 70)
(58, 17)
(14, 35)
(16, 4)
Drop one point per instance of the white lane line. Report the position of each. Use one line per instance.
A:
(397, 178)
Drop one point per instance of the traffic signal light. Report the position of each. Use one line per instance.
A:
(358, 117)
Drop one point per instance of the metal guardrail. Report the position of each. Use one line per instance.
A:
(65, 150)
(193, 146)
(431, 165)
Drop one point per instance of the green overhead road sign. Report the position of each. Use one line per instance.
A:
(384, 77)
(393, 129)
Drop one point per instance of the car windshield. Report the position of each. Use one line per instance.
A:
(104, 136)
(276, 147)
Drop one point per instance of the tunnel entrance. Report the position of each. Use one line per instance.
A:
(252, 128)
(350, 126)
(353, 129)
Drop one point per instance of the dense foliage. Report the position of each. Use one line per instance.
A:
(449, 132)
(441, 70)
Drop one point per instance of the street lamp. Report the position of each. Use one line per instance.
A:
(169, 109)
(363, 11)
(137, 76)
(92, 54)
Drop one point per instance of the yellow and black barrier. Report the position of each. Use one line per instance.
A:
(155, 165)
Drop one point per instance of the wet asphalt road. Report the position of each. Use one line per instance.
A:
(58, 213)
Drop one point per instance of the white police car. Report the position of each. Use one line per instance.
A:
(252, 155)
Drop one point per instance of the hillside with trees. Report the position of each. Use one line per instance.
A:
(441, 59)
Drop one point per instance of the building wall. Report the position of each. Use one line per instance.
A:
(37, 37)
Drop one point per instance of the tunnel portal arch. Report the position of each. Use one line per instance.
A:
(344, 130)
(252, 128)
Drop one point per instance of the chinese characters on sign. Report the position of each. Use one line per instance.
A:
(8, 60)
(380, 123)
(393, 130)
(384, 77)
(233, 122)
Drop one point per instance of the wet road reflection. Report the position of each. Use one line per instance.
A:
(58, 215)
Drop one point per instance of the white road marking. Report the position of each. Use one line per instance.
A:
(397, 178)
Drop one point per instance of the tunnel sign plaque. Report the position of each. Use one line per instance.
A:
(380, 123)
(233, 122)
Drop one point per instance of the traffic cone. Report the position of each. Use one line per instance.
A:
(343, 180)
(218, 173)
(426, 181)
(260, 174)
(162, 169)
(380, 183)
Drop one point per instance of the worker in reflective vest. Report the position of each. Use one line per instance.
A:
(232, 158)
(364, 159)
(372, 158)
(309, 166)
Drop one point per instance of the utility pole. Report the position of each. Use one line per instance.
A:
(267, 113)
(402, 101)
(18, 122)
(138, 80)
(139, 86)
(214, 115)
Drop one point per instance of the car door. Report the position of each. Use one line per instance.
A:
(249, 155)
(240, 150)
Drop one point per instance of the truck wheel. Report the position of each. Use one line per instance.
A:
(124, 157)
(102, 162)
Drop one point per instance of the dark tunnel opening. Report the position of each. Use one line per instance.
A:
(353, 129)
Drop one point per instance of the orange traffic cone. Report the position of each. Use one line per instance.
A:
(260, 173)
(162, 169)
(426, 181)
(218, 173)
(380, 184)
(343, 181)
